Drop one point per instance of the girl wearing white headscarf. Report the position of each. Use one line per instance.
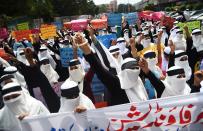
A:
(71, 97)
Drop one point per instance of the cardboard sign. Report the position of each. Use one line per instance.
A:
(105, 39)
(99, 23)
(66, 55)
(58, 24)
(191, 25)
(19, 35)
(3, 33)
(48, 31)
(79, 25)
(131, 18)
(23, 26)
(114, 19)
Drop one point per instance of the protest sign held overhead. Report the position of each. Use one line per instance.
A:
(48, 31)
(105, 39)
(114, 19)
(19, 35)
(99, 23)
(191, 25)
(3, 33)
(79, 25)
(66, 55)
(23, 26)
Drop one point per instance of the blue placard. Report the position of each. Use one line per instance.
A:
(58, 24)
(66, 55)
(114, 19)
(131, 17)
(105, 39)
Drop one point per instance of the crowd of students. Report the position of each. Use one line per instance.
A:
(148, 61)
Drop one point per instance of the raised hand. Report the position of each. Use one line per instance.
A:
(144, 65)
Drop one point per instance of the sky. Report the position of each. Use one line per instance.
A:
(98, 2)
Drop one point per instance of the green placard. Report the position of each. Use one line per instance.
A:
(23, 26)
(191, 25)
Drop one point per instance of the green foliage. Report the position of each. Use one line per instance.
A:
(124, 8)
(47, 9)
(149, 7)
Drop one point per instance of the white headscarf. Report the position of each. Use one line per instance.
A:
(115, 49)
(184, 64)
(78, 74)
(68, 105)
(164, 35)
(23, 103)
(45, 53)
(21, 57)
(122, 45)
(12, 70)
(179, 41)
(197, 40)
(132, 84)
(175, 86)
(152, 62)
(173, 32)
(49, 72)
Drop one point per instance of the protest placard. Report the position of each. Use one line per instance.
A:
(131, 18)
(23, 26)
(48, 31)
(3, 33)
(105, 39)
(99, 23)
(19, 35)
(66, 55)
(79, 25)
(191, 25)
(114, 19)
(58, 24)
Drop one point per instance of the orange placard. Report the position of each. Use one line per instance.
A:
(99, 23)
(19, 35)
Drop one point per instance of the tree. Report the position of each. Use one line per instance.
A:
(102, 8)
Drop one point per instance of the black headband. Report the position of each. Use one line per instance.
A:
(74, 63)
(197, 33)
(22, 53)
(175, 72)
(166, 54)
(42, 49)
(150, 55)
(6, 77)
(129, 65)
(68, 93)
(180, 54)
(120, 41)
(179, 32)
(114, 50)
(13, 89)
(44, 61)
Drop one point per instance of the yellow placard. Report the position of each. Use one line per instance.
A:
(152, 47)
(48, 32)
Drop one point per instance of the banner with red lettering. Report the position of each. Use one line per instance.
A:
(183, 113)
(174, 113)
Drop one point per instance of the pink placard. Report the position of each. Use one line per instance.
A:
(79, 25)
(3, 33)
